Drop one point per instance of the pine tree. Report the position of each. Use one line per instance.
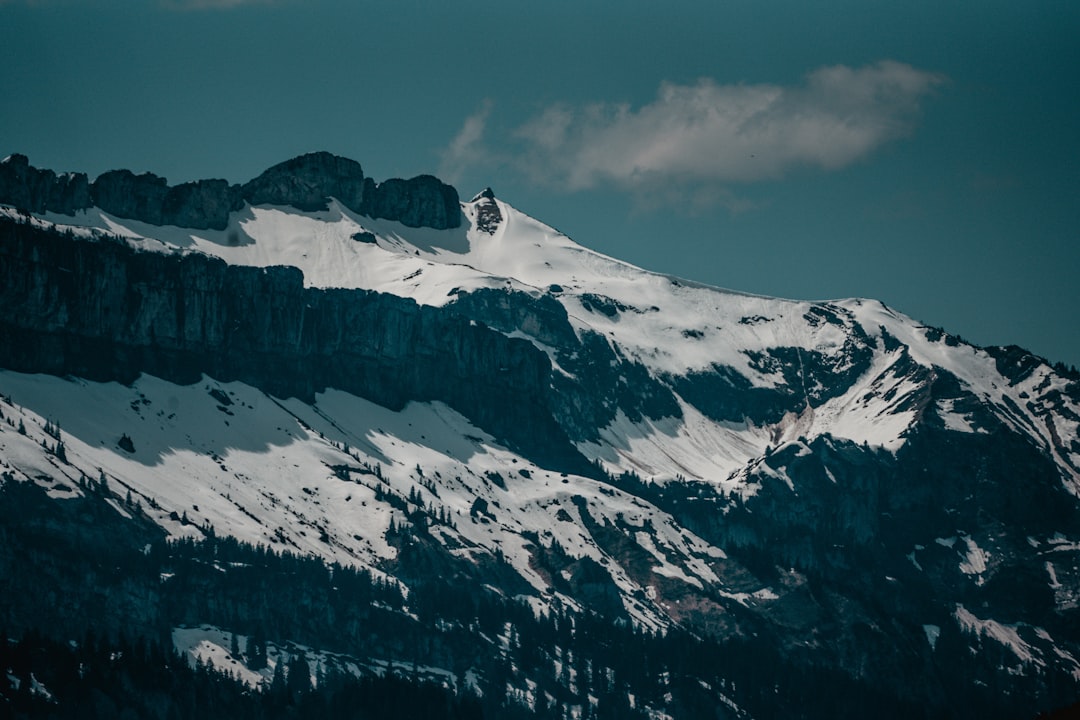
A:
(256, 650)
(298, 680)
(278, 689)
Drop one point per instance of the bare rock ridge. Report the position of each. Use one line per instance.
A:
(29, 188)
(488, 216)
(306, 183)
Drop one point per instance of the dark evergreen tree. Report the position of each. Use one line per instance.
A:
(298, 678)
(278, 691)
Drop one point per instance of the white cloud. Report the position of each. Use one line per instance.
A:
(465, 148)
(708, 135)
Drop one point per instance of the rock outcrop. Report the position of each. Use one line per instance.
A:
(124, 194)
(488, 216)
(597, 383)
(203, 204)
(306, 183)
(423, 201)
(41, 191)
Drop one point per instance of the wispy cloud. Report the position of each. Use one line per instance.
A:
(464, 149)
(706, 137)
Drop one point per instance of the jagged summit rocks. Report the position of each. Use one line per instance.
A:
(306, 182)
(29, 188)
(203, 204)
(488, 216)
(422, 201)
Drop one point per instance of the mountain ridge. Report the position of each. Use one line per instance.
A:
(832, 476)
(305, 182)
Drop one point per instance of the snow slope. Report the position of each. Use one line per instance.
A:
(333, 478)
(317, 479)
(671, 326)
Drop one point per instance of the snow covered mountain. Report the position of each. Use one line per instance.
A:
(316, 362)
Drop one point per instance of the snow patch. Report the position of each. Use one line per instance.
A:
(933, 632)
(975, 560)
(1007, 635)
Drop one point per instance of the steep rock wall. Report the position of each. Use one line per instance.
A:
(104, 311)
(306, 182)
(29, 188)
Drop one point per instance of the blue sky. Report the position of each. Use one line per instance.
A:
(923, 153)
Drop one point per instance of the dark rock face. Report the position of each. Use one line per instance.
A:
(306, 182)
(103, 311)
(811, 378)
(423, 201)
(541, 316)
(42, 191)
(603, 381)
(488, 216)
(127, 195)
(204, 204)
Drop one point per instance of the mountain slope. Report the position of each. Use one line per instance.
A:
(676, 330)
(833, 478)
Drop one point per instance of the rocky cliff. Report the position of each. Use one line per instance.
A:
(202, 204)
(306, 182)
(104, 311)
(38, 191)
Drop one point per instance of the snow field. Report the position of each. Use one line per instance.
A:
(305, 478)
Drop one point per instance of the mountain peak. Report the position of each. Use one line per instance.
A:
(488, 215)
